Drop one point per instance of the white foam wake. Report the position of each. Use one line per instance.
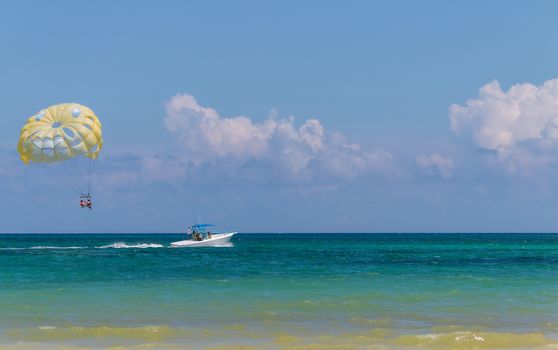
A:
(120, 245)
(55, 247)
(224, 245)
(41, 247)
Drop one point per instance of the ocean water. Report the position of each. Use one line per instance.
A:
(280, 291)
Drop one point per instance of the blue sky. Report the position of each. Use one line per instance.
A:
(289, 116)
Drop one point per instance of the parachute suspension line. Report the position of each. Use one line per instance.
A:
(48, 167)
(89, 175)
(91, 170)
(70, 175)
(74, 169)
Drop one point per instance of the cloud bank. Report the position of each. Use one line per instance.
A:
(304, 152)
(519, 125)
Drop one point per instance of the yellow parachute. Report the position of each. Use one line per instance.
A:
(60, 132)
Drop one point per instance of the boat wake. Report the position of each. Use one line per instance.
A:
(224, 245)
(55, 247)
(122, 245)
(118, 245)
(42, 247)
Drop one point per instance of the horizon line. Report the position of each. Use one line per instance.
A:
(286, 232)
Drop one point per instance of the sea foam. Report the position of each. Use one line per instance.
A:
(55, 247)
(121, 245)
(42, 247)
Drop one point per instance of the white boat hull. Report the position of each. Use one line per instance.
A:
(217, 239)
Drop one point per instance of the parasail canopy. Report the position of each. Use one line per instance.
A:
(60, 132)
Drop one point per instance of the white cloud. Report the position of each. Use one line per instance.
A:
(205, 134)
(522, 161)
(303, 152)
(444, 165)
(519, 125)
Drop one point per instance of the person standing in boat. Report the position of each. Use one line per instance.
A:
(196, 235)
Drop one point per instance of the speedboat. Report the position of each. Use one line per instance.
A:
(200, 236)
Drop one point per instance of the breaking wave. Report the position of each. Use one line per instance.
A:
(179, 338)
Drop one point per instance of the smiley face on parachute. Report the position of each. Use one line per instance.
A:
(60, 132)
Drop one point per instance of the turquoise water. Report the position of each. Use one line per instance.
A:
(280, 291)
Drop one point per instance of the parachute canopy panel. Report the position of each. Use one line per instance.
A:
(60, 132)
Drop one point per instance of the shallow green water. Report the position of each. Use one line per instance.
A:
(280, 290)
